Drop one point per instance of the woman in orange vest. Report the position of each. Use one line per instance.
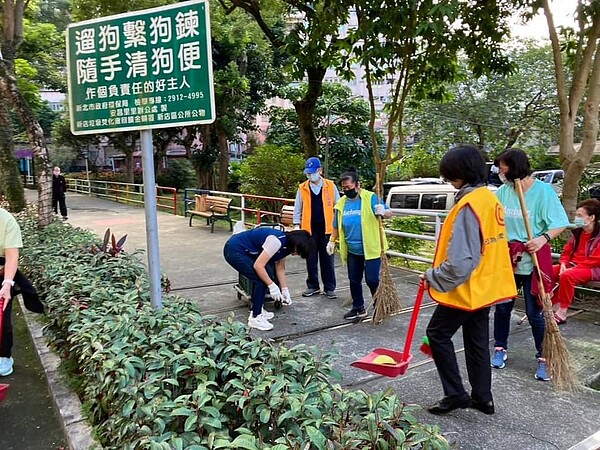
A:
(471, 271)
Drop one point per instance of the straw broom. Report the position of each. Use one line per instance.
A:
(558, 359)
(386, 297)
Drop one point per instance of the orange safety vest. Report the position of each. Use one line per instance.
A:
(328, 197)
(492, 280)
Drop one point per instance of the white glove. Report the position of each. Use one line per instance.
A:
(296, 227)
(275, 293)
(330, 249)
(287, 299)
(379, 210)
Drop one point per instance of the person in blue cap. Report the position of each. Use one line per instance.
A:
(313, 212)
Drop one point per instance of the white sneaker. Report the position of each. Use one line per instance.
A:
(266, 314)
(260, 323)
(6, 366)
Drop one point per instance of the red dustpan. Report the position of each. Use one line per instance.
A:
(391, 363)
(3, 387)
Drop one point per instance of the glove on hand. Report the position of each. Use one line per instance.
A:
(330, 249)
(287, 299)
(379, 210)
(275, 293)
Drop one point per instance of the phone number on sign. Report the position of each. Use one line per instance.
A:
(190, 96)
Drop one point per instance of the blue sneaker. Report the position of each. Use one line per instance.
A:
(499, 358)
(542, 371)
(6, 366)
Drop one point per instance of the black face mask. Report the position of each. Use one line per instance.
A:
(351, 193)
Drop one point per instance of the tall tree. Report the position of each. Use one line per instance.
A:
(579, 97)
(494, 112)
(306, 36)
(340, 123)
(414, 46)
(12, 36)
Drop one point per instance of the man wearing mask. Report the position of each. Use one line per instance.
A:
(59, 188)
(313, 212)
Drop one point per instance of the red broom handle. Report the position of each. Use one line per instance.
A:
(413, 321)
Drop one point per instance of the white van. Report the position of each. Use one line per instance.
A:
(553, 177)
(429, 197)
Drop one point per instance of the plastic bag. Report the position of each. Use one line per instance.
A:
(239, 227)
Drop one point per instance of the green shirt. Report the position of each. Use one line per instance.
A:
(10, 233)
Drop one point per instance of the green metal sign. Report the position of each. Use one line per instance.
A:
(141, 70)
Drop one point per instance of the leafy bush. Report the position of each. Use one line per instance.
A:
(174, 379)
(273, 171)
(180, 174)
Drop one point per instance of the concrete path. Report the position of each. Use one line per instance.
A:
(530, 414)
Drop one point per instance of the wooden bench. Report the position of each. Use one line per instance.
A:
(212, 209)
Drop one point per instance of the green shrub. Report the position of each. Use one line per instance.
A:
(174, 379)
(180, 174)
(273, 171)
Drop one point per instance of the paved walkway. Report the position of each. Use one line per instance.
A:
(530, 414)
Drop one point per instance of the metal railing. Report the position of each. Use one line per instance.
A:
(246, 203)
(438, 218)
(128, 193)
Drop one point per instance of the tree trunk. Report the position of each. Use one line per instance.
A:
(11, 184)
(10, 90)
(223, 159)
(305, 109)
(586, 81)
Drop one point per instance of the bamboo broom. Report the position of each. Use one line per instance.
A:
(386, 297)
(558, 359)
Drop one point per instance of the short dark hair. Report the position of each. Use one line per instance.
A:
(349, 175)
(300, 242)
(517, 162)
(466, 163)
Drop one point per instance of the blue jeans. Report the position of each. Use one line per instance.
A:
(320, 257)
(243, 262)
(534, 312)
(357, 264)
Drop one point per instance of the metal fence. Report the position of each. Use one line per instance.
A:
(128, 193)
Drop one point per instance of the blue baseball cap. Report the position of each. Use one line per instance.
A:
(312, 165)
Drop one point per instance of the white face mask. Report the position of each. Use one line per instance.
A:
(503, 178)
(314, 177)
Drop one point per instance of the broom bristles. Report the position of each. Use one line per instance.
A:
(386, 298)
(556, 353)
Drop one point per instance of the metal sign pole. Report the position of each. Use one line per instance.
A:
(151, 218)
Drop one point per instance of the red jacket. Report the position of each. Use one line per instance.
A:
(592, 252)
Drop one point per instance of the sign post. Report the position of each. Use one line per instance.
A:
(140, 71)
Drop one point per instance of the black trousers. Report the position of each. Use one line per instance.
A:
(319, 257)
(444, 323)
(61, 203)
(6, 338)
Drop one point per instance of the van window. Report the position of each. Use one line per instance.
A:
(405, 201)
(434, 201)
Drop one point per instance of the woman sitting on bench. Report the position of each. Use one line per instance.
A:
(580, 259)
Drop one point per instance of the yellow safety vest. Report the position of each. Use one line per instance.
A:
(328, 198)
(492, 280)
(369, 228)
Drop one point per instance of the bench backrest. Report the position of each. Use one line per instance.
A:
(287, 216)
(218, 205)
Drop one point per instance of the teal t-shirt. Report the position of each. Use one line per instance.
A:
(545, 213)
(10, 233)
(351, 221)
